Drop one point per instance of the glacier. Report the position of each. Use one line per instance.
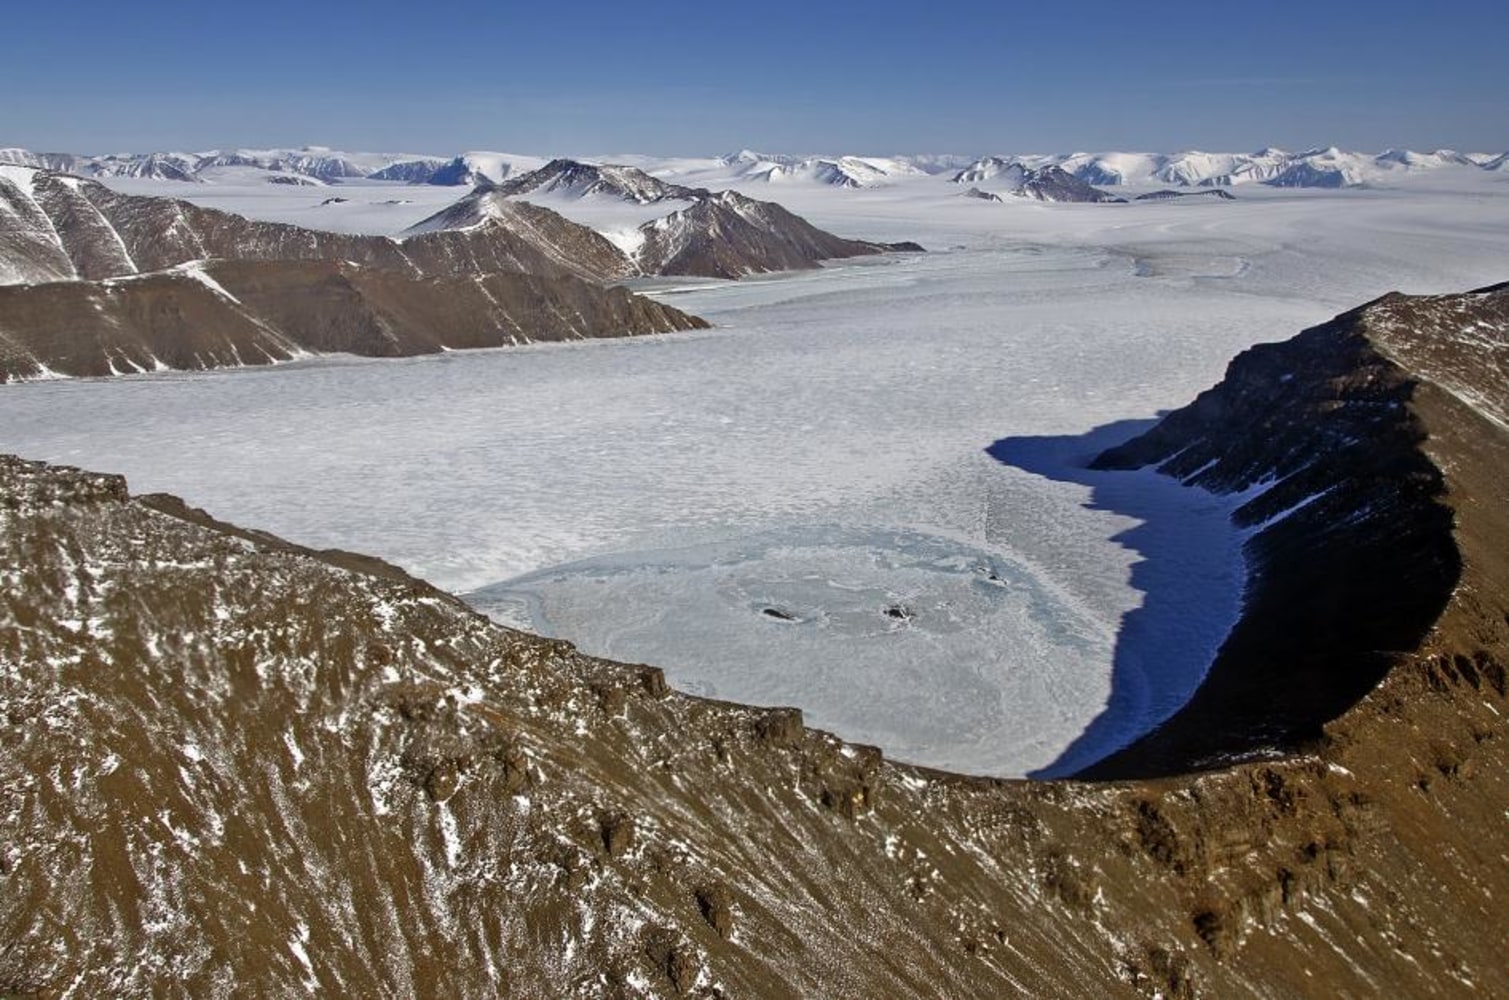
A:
(887, 453)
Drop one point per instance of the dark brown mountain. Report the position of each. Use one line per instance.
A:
(723, 235)
(232, 313)
(231, 765)
(1340, 435)
(727, 235)
(56, 228)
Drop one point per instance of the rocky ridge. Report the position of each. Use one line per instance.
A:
(722, 235)
(1340, 440)
(55, 227)
(94, 282)
(232, 764)
(220, 314)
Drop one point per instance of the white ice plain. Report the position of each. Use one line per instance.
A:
(798, 507)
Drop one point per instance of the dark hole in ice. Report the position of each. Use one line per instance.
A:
(898, 612)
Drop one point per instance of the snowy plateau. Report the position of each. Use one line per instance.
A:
(863, 492)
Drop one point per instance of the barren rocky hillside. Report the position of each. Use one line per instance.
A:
(231, 313)
(1356, 445)
(231, 766)
(54, 227)
(93, 282)
(727, 235)
(722, 235)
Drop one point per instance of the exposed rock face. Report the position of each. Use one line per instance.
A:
(411, 171)
(230, 764)
(232, 313)
(486, 218)
(55, 228)
(1218, 193)
(571, 177)
(459, 172)
(1335, 435)
(147, 299)
(1310, 175)
(68, 163)
(840, 172)
(724, 235)
(728, 235)
(152, 166)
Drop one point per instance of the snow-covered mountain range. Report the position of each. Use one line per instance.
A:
(1328, 167)
(316, 163)
(993, 175)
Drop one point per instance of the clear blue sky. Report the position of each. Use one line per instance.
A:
(704, 78)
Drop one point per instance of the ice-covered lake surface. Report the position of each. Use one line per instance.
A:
(861, 494)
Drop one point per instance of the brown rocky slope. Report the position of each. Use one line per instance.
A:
(1334, 438)
(722, 235)
(54, 227)
(231, 313)
(233, 766)
(93, 282)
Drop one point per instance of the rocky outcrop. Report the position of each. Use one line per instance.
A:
(234, 313)
(229, 761)
(1341, 441)
(1167, 194)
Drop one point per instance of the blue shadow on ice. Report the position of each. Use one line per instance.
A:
(1157, 663)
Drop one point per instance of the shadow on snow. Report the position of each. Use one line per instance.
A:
(1164, 647)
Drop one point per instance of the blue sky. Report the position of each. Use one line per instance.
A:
(705, 78)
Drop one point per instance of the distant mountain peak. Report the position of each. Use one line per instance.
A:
(576, 179)
(1050, 182)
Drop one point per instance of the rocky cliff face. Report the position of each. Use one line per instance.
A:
(1332, 437)
(229, 765)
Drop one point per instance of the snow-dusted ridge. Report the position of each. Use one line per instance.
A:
(659, 228)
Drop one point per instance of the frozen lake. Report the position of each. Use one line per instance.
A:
(860, 494)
